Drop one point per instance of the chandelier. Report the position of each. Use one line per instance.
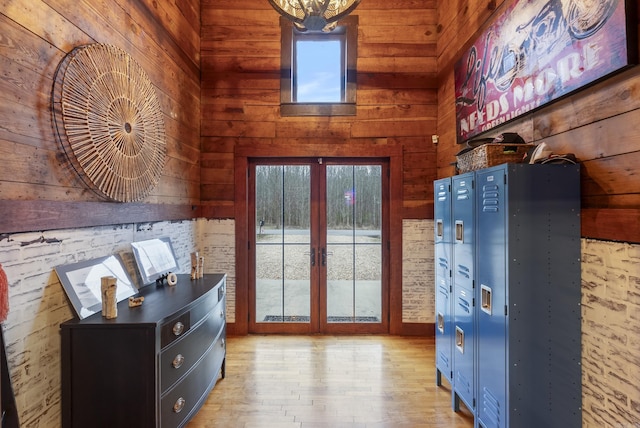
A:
(314, 15)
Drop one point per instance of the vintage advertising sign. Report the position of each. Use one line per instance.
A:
(536, 52)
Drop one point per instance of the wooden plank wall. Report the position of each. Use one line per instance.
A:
(163, 36)
(598, 124)
(396, 97)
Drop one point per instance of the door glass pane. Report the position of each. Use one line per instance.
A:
(354, 244)
(282, 243)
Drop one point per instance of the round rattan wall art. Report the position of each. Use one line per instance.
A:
(108, 120)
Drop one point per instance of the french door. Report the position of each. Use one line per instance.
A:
(317, 254)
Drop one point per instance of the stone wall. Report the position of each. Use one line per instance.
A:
(217, 243)
(418, 279)
(610, 334)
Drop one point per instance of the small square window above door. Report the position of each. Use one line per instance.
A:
(319, 70)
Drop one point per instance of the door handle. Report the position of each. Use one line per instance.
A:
(312, 256)
(325, 253)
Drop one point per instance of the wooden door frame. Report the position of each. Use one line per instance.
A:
(243, 152)
(279, 328)
(363, 328)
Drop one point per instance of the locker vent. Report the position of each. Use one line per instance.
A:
(464, 271)
(462, 383)
(443, 263)
(463, 193)
(490, 198)
(444, 359)
(444, 290)
(464, 305)
(442, 192)
(491, 412)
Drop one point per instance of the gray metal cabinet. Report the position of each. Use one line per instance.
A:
(528, 291)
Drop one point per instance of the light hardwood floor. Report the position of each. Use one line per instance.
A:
(329, 381)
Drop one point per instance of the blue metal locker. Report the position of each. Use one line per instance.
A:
(463, 290)
(443, 238)
(492, 298)
(528, 293)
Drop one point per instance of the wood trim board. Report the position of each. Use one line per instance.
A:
(37, 215)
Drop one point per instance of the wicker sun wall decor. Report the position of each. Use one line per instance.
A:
(109, 122)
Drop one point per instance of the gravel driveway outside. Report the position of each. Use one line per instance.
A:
(346, 297)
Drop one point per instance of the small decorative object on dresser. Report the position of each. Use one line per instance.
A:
(200, 266)
(195, 259)
(135, 301)
(172, 278)
(108, 286)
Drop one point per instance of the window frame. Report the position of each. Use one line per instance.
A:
(347, 30)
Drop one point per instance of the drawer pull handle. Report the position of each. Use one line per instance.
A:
(178, 328)
(178, 361)
(221, 314)
(222, 343)
(179, 405)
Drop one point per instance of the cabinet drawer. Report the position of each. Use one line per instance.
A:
(179, 404)
(175, 328)
(180, 325)
(205, 307)
(180, 356)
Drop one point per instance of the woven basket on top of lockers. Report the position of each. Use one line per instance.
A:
(491, 154)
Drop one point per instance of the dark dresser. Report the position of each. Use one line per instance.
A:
(153, 365)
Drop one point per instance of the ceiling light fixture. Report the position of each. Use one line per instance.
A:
(314, 15)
